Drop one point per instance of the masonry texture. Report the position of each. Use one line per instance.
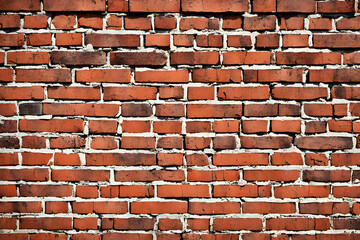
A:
(179, 120)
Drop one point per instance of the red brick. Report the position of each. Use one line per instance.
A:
(100, 207)
(43, 75)
(75, 58)
(199, 23)
(214, 208)
(12, 40)
(307, 58)
(65, 22)
(293, 40)
(154, 6)
(85, 223)
(260, 23)
(114, 22)
(149, 176)
(35, 21)
(239, 41)
(336, 6)
(158, 207)
(323, 143)
(67, 5)
(209, 40)
(112, 40)
(320, 24)
(74, 93)
(214, 6)
(135, 126)
(194, 58)
(128, 142)
(240, 159)
(163, 22)
(80, 175)
(21, 93)
(21, 207)
(208, 176)
(46, 223)
(167, 126)
(87, 191)
(171, 92)
(136, 110)
(137, 23)
(176, 76)
(336, 41)
(9, 21)
(8, 223)
(255, 126)
(226, 126)
(134, 223)
(64, 159)
(68, 39)
(267, 41)
(183, 191)
(138, 58)
(302, 6)
(20, 5)
(300, 191)
(266, 142)
(94, 21)
(123, 236)
(292, 23)
(104, 143)
(102, 126)
(274, 75)
(268, 207)
(39, 39)
(291, 158)
(56, 207)
(196, 143)
(170, 159)
(129, 93)
(29, 158)
(326, 208)
(81, 109)
(183, 40)
(232, 22)
(271, 175)
(197, 127)
(106, 75)
(118, 5)
(243, 93)
(197, 160)
(120, 159)
(170, 110)
(314, 159)
(246, 58)
(214, 110)
(326, 175)
(157, 40)
(297, 224)
(9, 159)
(242, 191)
(170, 142)
(201, 93)
(348, 24)
(8, 191)
(334, 75)
(6, 75)
(221, 224)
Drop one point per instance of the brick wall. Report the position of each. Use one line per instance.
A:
(179, 119)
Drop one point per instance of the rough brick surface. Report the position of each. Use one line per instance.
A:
(179, 119)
